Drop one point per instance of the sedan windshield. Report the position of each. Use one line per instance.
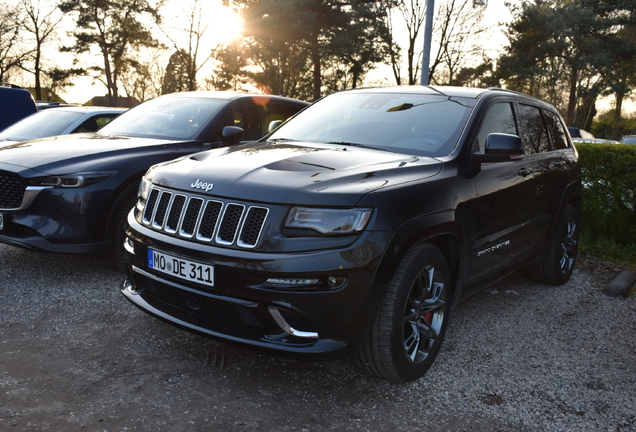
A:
(40, 124)
(427, 125)
(177, 118)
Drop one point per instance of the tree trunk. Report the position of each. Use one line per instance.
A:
(616, 129)
(38, 84)
(574, 75)
(315, 58)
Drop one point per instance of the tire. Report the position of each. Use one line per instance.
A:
(119, 230)
(556, 268)
(407, 333)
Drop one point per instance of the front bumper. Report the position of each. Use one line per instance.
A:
(69, 220)
(318, 322)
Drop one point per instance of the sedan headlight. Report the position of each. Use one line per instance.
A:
(329, 221)
(72, 180)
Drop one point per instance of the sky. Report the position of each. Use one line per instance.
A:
(223, 25)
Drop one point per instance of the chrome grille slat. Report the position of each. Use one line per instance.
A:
(211, 221)
(174, 217)
(232, 217)
(162, 208)
(191, 217)
(149, 211)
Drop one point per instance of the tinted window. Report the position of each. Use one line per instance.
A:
(557, 131)
(499, 119)
(41, 124)
(535, 135)
(165, 117)
(249, 118)
(414, 124)
(94, 123)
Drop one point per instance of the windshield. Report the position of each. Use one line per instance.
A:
(41, 124)
(427, 125)
(176, 118)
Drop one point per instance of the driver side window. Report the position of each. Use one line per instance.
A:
(500, 118)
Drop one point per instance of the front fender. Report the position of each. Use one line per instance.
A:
(441, 230)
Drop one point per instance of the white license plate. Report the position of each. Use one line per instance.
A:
(1, 221)
(181, 268)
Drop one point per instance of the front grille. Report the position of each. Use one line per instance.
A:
(12, 188)
(204, 220)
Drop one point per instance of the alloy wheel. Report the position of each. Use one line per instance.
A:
(424, 314)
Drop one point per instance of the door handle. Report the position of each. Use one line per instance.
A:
(525, 171)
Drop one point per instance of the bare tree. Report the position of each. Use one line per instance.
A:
(458, 35)
(41, 19)
(394, 57)
(413, 12)
(10, 38)
(142, 77)
(115, 28)
(190, 56)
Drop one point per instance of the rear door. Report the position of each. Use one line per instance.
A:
(554, 165)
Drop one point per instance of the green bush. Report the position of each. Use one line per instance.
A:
(604, 126)
(609, 196)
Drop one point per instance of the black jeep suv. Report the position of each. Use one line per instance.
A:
(355, 226)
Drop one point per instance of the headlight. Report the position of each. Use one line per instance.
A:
(329, 221)
(144, 189)
(72, 180)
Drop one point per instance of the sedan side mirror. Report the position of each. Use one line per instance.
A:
(275, 124)
(500, 147)
(231, 135)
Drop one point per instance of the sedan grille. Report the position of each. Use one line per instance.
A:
(204, 220)
(12, 188)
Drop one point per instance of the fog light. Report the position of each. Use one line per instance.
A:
(129, 245)
(285, 281)
(336, 281)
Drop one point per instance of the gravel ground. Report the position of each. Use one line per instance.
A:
(75, 355)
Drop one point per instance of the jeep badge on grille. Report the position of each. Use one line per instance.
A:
(200, 185)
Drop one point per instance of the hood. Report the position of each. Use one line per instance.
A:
(297, 173)
(67, 154)
(4, 143)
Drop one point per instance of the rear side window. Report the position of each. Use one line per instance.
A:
(249, 118)
(535, 134)
(279, 111)
(499, 119)
(557, 131)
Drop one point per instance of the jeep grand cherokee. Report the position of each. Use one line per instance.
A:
(354, 227)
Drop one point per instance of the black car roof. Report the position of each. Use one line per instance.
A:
(228, 95)
(468, 92)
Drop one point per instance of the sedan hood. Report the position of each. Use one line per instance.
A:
(71, 153)
(296, 173)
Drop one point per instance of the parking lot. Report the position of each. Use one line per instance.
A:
(75, 355)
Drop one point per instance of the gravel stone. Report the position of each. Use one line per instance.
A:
(520, 356)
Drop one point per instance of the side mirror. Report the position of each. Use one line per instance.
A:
(500, 148)
(273, 125)
(231, 135)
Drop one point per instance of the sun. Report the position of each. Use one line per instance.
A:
(226, 25)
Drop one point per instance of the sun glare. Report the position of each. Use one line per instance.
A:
(226, 25)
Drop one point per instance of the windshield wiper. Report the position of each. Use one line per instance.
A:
(347, 143)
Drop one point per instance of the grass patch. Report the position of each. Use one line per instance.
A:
(606, 249)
